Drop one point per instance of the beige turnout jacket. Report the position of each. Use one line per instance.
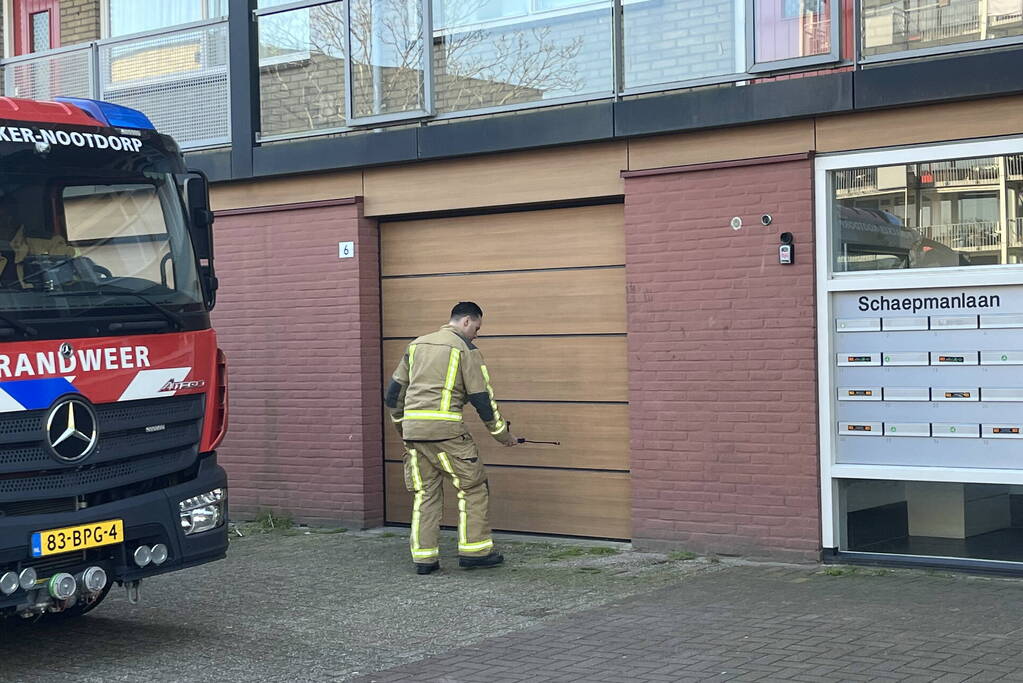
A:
(438, 374)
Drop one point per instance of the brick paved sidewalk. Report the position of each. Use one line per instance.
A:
(761, 623)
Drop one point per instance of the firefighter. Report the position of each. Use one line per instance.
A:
(438, 374)
(55, 245)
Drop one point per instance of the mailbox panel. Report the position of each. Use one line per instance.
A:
(955, 384)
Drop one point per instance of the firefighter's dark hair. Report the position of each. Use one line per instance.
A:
(466, 308)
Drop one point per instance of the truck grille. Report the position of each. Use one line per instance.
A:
(38, 507)
(48, 566)
(126, 452)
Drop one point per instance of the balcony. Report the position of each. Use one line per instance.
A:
(964, 173)
(179, 78)
(977, 236)
(966, 237)
(1014, 167)
(335, 67)
(855, 182)
(1015, 233)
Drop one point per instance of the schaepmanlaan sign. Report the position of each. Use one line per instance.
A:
(915, 304)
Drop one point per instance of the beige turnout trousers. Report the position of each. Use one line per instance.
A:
(427, 463)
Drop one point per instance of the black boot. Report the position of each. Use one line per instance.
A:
(491, 560)
(427, 568)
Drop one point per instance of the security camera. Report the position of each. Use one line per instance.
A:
(766, 219)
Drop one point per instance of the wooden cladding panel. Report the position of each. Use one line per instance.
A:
(547, 369)
(574, 502)
(912, 125)
(557, 238)
(290, 190)
(726, 144)
(594, 436)
(569, 172)
(546, 302)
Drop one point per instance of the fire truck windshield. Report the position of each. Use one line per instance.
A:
(74, 242)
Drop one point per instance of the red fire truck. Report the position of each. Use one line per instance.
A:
(113, 393)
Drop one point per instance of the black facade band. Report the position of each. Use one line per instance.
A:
(510, 208)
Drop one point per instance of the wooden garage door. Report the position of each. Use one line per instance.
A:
(552, 287)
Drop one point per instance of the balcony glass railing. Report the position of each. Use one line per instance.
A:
(909, 26)
(179, 78)
(302, 70)
(330, 66)
(538, 52)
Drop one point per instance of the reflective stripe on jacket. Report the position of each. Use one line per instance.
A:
(438, 374)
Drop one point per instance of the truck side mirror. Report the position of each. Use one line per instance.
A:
(200, 217)
(200, 226)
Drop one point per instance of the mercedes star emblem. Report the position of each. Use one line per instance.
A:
(71, 431)
(65, 350)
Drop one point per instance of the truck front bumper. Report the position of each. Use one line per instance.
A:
(149, 519)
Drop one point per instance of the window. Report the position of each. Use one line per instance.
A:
(135, 16)
(792, 29)
(889, 26)
(933, 519)
(496, 53)
(286, 36)
(41, 31)
(302, 69)
(36, 26)
(669, 41)
(406, 59)
(448, 15)
(121, 229)
(62, 239)
(958, 212)
(387, 59)
(547, 5)
(794, 9)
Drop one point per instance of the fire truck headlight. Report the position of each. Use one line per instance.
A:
(204, 512)
(159, 554)
(93, 579)
(27, 578)
(8, 583)
(62, 586)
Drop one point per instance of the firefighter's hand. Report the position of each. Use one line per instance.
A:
(512, 440)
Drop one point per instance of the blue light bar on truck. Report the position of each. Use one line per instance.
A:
(110, 114)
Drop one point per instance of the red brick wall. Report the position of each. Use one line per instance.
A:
(722, 361)
(301, 329)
